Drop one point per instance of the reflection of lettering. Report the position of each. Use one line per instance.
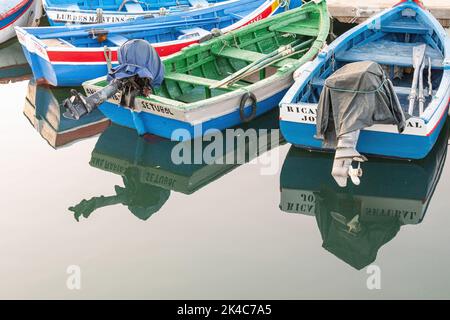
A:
(154, 178)
(305, 204)
(156, 108)
(379, 212)
(107, 165)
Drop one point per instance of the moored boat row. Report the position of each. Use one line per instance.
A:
(382, 88)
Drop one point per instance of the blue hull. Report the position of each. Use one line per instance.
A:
(392, 145)
(145, 123)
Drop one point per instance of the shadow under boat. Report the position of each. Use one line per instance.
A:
(356, 221)
(13, 65)
(43, 108)
(150, 174)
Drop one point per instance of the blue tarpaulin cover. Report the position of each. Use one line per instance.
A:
(138, 58)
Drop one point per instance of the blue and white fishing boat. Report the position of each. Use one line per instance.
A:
(390, 39)
(61, 12)
(70, 55)
(23, 13)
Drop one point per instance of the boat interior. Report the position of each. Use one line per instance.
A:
(130, 6)
(190, 76)
(197, 25)
(391, 45)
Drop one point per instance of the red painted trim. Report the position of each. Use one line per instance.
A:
(418, 2)
(16, 8)
(445, 113)
(13, 9)
(99, 56)
(162, 50)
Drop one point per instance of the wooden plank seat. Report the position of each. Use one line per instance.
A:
(297, 28)
(389, 53)
(187, 78)
(199, 81)
(249, 56)
(406, 25)
(319, 83)
(117, 39)
(133, 7)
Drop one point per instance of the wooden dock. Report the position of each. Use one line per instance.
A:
(356, 11)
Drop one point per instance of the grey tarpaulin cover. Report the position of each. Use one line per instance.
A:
(138, 57)
(355, 97)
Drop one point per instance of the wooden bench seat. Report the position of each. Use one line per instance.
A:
(406, 25)
(389, 53)
(187, 78)
(249, 56)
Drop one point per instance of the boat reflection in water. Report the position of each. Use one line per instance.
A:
(150, 174)
(356, 221)
(13, 65)
(43, 108)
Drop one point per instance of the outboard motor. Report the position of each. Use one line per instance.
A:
(140, 70)
(355, 97)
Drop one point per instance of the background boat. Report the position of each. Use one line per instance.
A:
(388, 38)
(68, 56)
(22, 13)
(60, 12)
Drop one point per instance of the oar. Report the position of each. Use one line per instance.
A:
(418, 57)
(254, 63)
(269, 59)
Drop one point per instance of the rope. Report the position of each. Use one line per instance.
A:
(108, 57)
(359, 91)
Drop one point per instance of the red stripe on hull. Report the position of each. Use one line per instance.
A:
(99, 56)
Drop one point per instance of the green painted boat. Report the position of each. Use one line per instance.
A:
(228, 80)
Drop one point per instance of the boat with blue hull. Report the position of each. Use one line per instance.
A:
(61, 12)
(223, 82)
(23, 13)
(390, 39)
(70, 55)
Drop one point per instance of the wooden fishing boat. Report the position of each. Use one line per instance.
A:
(355, 222)
(44, 111)
(389, 39)
(150, 174)
(60, 12)
(13, 65)
(23, 13)
(70, 55)
(228, 80)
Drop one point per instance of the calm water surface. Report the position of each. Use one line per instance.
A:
(165, 231)
(142, 227)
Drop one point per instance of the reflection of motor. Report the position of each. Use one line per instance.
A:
(140, 70)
